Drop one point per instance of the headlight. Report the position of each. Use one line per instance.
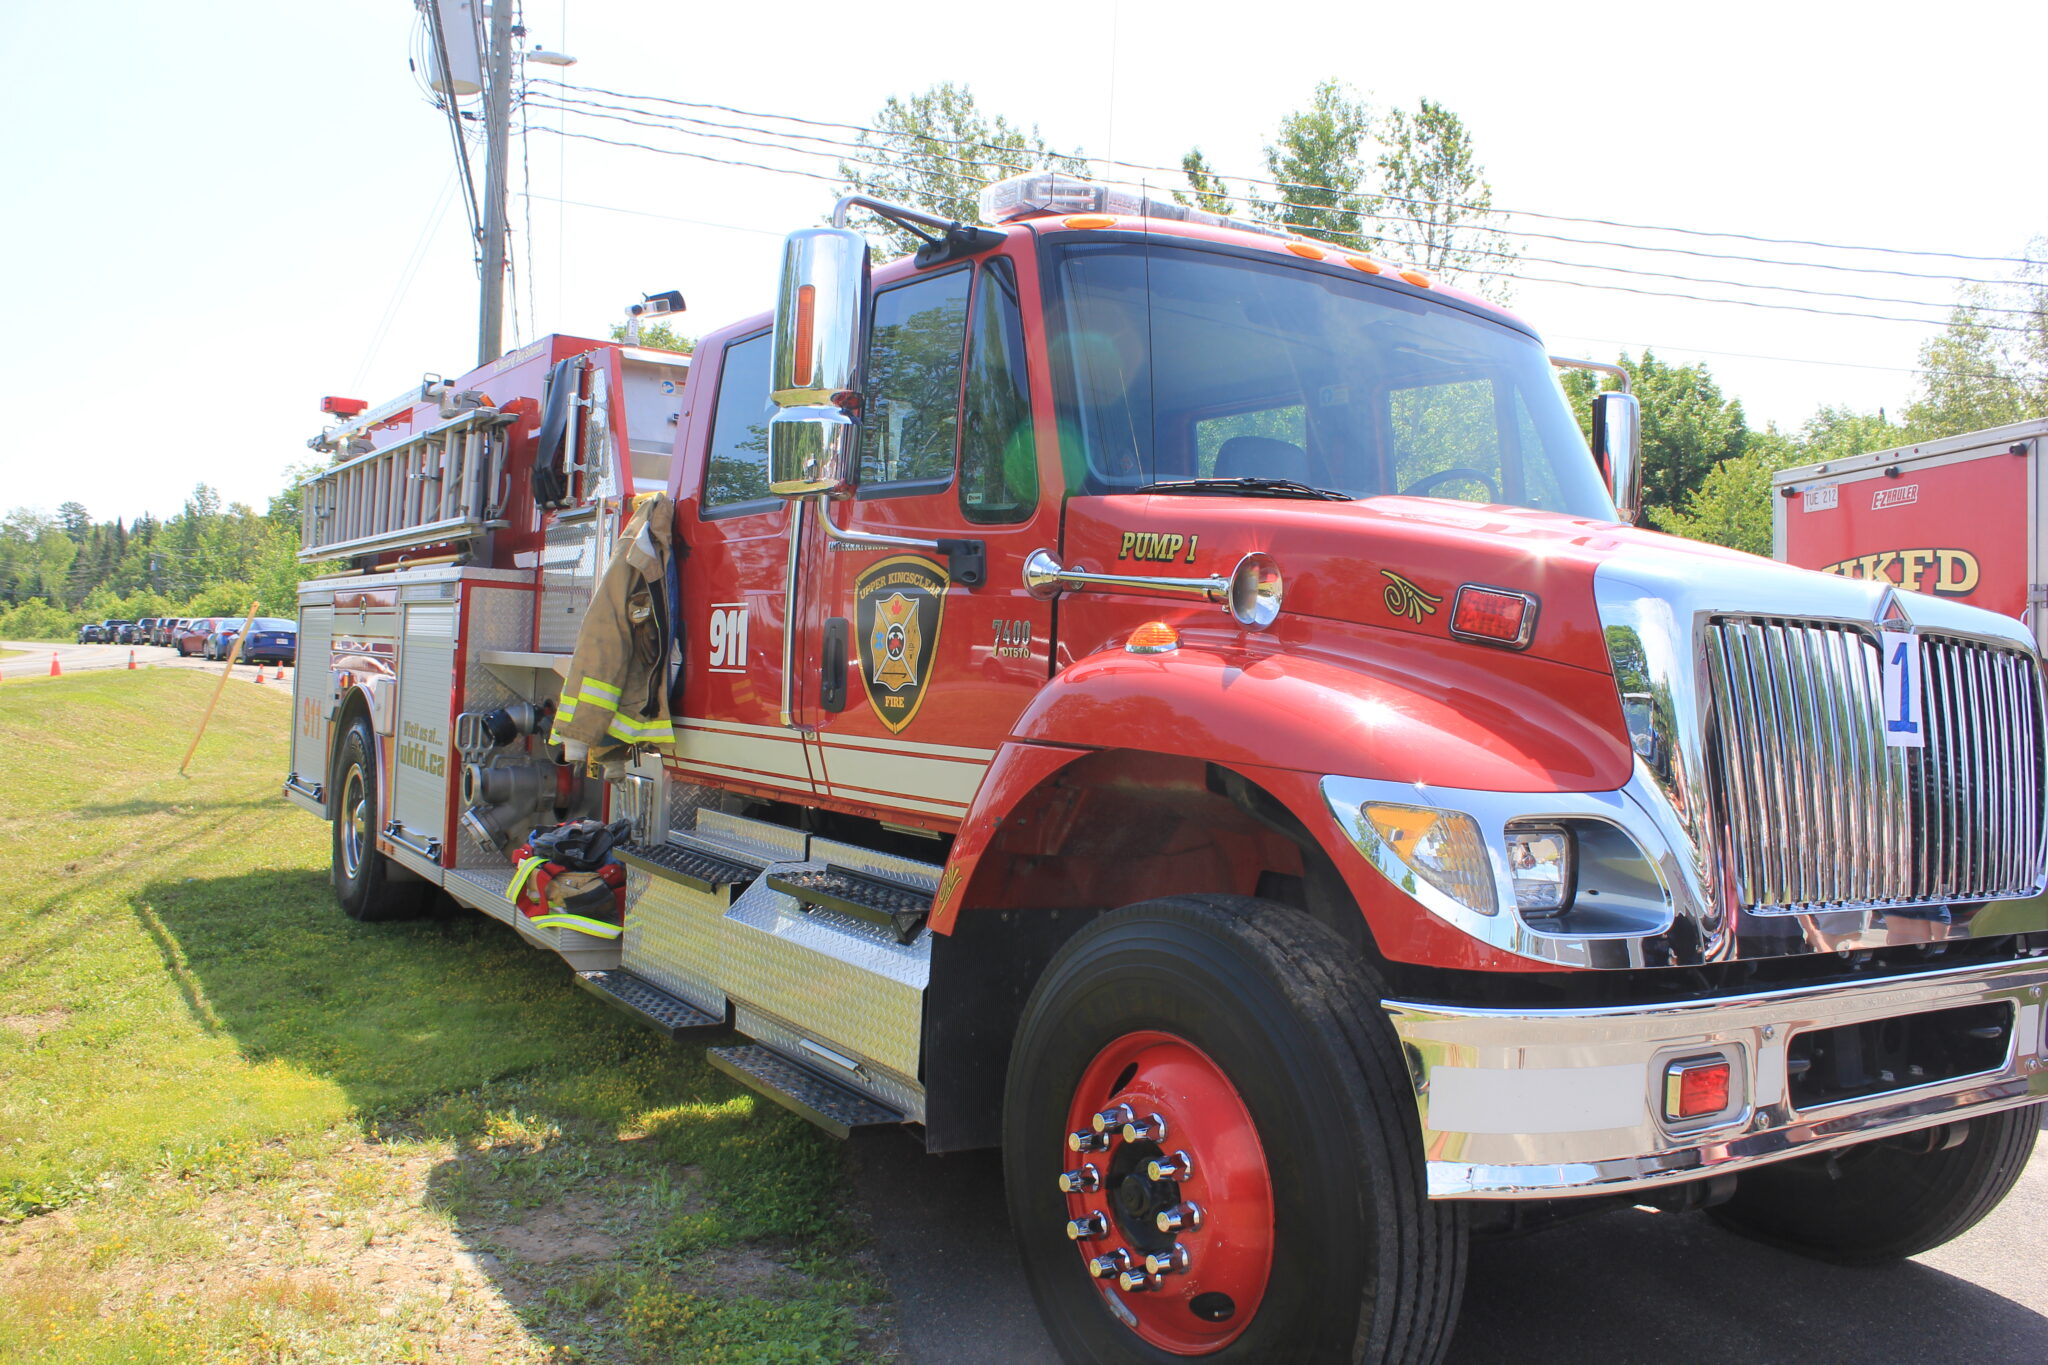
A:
(1540, 864)
(1442, 847)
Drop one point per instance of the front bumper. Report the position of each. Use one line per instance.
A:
(1519, 1104)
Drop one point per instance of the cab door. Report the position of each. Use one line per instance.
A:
(912, 677)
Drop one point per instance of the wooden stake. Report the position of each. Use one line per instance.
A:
(227, 670)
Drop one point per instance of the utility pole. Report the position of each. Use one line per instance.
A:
(497, 137)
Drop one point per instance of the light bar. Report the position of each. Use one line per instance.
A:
(1038, 194)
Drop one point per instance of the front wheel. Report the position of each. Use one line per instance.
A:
(1211, 1148)
(1882, 1201)
(366, 883)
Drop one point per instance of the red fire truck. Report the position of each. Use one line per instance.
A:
(1185, 705)
(1956, 518)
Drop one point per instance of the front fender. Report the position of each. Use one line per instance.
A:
(1444, 713)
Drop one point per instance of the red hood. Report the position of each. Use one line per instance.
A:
(1389, 562)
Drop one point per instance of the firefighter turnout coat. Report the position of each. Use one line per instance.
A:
(616, 694)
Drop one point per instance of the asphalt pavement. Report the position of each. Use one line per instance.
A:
(1623, 1288)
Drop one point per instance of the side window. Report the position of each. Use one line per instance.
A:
(737, 470)
(1440, 428)
(913, 381)
(998, 455)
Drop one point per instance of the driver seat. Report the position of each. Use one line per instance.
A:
(1261, 457)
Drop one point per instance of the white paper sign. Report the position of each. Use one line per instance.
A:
(1902, 710)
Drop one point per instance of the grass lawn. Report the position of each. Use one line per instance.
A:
(237, 1126)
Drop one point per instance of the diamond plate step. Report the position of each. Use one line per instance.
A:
(648, 1003)
(825, 1102)
(692, 867)
(890, 904)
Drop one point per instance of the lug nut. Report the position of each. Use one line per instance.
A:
(1085, 1180)
(1110, 1266)
(1175, 1167)
(1151, 1128)
(1111, 1118)
(1172, 1262)
(1135, 1281)
(1180, 1218)
(1087, 1227)
(1081, 1140)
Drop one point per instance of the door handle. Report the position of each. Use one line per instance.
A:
(832, 687)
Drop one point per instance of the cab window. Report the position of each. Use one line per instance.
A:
(737, 470)
(998, 456)
(912, 419)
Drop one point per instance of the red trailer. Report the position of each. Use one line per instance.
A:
(1958, 518)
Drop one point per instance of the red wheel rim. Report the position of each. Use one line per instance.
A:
(1168, 1199)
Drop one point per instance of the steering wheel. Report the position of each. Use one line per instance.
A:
(1421, 487)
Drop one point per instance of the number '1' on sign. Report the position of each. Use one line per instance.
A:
(1902, 688)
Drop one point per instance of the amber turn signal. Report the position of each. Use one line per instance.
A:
(1154, 637)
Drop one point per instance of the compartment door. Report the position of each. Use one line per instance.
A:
(422, 758)
(312, 699)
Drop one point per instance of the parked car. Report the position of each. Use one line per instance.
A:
(191, 636)
(272, 639)
(166, 630)
(111, 629)
(144, 631)
(91, 633)
(127, 632)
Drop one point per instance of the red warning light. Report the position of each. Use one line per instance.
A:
(342, 407)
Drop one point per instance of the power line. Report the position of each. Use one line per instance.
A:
(665, 217)
(1290, 185)
(1476, 251)
(1469, 270)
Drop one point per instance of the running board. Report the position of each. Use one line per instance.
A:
(691, 867)
(648, 1003)
(825, 1102)
(877, 900)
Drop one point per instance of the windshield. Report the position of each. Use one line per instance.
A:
(1179, 362)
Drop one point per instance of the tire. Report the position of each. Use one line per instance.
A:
(365, 881)
(1256, 1035)
(1879, 1202)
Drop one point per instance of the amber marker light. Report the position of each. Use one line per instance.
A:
(1090, 220)
(1154, 637)
(1365, 263)
(806, 314)
(1494, 616)
(1418, 279)
(1307, 252)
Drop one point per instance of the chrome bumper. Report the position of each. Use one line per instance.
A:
(1544, 1103)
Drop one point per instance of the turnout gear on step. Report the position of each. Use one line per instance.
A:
(616, 694)
(566, 878)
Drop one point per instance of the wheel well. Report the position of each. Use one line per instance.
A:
(1108, 830)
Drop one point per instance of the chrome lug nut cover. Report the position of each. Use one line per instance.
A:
(1135, 1281)
(1110, 1266)
(1173, 1262)
(1112, 1117)
(1086, 1227)
(1084, 1141)
(1180, 1218)
(1175, 1167)
(1083, 1180)
(1151, 1128)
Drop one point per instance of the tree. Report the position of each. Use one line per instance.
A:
(1318, 159)
(935, 151)
(658, 336)
(1688, 427)
(75, 520)
(1439, 210)
(1977, 374)
(1210, 194)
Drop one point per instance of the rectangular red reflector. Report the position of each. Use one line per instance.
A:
(342, 407)
(1696, 1088)
(1491, 614)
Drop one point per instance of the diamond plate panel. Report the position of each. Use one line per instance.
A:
(854, 858)
(755, 840)
(903, 1095)
(831, 1102)
(672, 938)
(685, 799)
(842, 981)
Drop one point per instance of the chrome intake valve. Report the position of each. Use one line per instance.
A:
(1113, 1118)
(1179, 1218)
(1087, 1227)
(1084, 1180)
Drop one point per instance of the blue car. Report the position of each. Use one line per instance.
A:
(272, 639)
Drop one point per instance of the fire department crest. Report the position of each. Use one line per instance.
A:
(897, 604)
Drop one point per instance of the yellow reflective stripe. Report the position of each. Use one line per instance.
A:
(602, 689)
(641, 732)
(527, 867)
(567, 710)
(563, 920)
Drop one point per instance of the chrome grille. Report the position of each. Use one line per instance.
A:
(1814, 812)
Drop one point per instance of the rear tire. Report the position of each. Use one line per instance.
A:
(1879, 1202)
(368, 885)
(1263, 1033)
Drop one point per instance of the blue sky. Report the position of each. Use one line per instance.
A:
(211, 210)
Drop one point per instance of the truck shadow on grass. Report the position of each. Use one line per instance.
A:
(547, 1161)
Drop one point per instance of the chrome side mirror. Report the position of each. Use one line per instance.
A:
(820, 316)
(1618, 446)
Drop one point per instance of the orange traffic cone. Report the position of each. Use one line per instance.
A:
(131, 661)
(259, 673)
(56, 669)
(280, 674)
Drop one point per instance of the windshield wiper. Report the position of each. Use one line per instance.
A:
(1246, 486)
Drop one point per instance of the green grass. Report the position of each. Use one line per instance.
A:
(235, 1125)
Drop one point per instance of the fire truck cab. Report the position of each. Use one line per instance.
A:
(1184, 704)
